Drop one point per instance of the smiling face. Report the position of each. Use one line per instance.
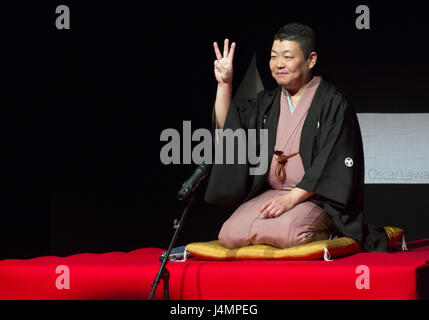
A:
(289, 67)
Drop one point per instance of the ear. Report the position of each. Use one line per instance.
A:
(312, 59)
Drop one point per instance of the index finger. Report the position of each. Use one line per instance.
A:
(217, 52)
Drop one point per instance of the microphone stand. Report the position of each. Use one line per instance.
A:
(163, 272)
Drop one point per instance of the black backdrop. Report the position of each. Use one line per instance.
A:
(125, 71)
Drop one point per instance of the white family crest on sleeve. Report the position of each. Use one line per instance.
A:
(348, 162)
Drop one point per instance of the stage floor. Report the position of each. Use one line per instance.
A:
(119, 275)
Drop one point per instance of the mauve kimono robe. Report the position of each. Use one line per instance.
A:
(305, 222)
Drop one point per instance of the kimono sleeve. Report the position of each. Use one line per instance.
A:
(241, 114)
(337, 174)
(337, 170)
(229, 184)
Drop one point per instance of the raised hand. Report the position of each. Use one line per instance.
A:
(223, 64)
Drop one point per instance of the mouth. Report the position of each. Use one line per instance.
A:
(280, 74)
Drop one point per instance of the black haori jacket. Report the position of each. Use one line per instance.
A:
(331, 151)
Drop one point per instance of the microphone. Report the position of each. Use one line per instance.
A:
(192, 183)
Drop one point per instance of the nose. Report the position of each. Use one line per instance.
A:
(280, 63)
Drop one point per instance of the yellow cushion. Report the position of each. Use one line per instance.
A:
(212, 250)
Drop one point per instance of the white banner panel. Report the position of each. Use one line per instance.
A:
(396, 147)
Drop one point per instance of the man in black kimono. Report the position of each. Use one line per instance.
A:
(330, 144)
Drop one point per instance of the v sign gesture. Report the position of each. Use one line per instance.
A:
(223, 64)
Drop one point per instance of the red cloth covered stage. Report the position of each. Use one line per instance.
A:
(119, 275)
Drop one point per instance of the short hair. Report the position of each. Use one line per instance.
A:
(302, 34)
